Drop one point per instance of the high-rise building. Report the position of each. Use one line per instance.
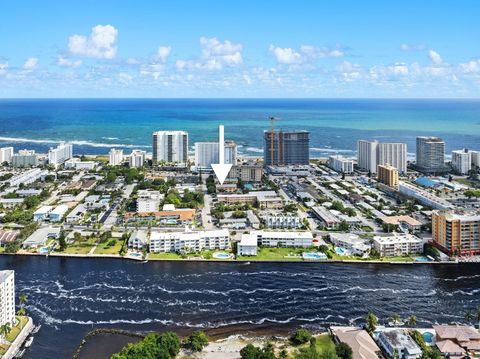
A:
(457, 232)
(462, 161)
(25, 158)
(340, 164)
(387, 175)
(475, 158)
(60, 154)
(247, 172)
(6, 154)
(137, 158)
(206, 154)
(373, 153)
(284, 148)
(115, 157)
(170, 146)
(430, 154)
(7, 297)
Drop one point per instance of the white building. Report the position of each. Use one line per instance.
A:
(27, 177)
(248, 244)
(283, 239)
(462, 161)
(25, 158)
(7, 297)
(374, 153)
(206, 154)
(78, 165)
(340, 164)
(398, 244)
(475, 158)
(148, 201)
(42, 214)
(6, 154)
(352, 242)
(282, 221)
(40, 237)
(138, 239)
(424, 197)
(188, 241)
(56, 215)
(115, 157)
(399, 341)
(77, 214)
(60, 154)
(170, 146)
(137, 158)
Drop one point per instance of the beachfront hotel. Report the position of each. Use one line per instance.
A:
(371, 154)
(170, 146)
(115, 157)
(284, 148)
(457, 232)
(7, 297)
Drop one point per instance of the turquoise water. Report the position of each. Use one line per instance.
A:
(341, 251)
(96, 125)
(221, 255)
(428, 337)
(312, 255)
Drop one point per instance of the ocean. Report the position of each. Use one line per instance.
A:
(96, 125)
(71, 296)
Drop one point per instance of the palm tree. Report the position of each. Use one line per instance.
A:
(412, 320)
(22, 298)
(5, 329)
(396, 319)
(468, 315)
(477, 316)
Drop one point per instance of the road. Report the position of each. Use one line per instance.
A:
(206, 215)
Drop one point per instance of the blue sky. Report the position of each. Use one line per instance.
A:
(240, 48)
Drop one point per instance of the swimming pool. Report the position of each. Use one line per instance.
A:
(422, 259)
(136, 255)
(44, 250)
(313, 255)
(428, 337)
(342, 251)
(221, 255)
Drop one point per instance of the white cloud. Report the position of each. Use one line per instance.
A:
(321, 52)
(65, 62)
(124, 77)
(163, 52)
(3, 68)
(215, 56)
(471, 67)
(247, 79)
(286, 55)
(435, 57)
(31, 64)
(101, 43)
(409, 47)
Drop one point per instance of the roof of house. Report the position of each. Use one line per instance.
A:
(461, 333)
(448, 346)
(362, 344)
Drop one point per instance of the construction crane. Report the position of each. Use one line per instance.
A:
(272, 120)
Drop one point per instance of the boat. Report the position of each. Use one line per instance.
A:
(246, 263)
(20, 353)
(28, 342)
(36, 329)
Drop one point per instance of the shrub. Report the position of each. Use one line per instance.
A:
(301, 336)
(197, 341)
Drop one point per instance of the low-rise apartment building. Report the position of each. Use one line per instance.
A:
(163, 242)
(398, 245)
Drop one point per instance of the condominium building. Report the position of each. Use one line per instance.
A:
(148, 201)
(340, 164)
(284, 239)
(430, 154)
(25, 158)
(6, 154)
(398, 245)
(206, 154)
(371, 154)
(248, 245)
(457, 232)
(137, 158)
(27, 177)
(60, 154)
(247, 173)
(115, 157)
(283, 148)
(282, 221)
(424, 197)
(462, 161)
(388, 175)
(7, 297)
(265, 199)
(78, 165)
(162, 242)
(475, 158)
(170, 146)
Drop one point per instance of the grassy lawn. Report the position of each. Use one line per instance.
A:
(325, 342)
(108, 248)
(2, 249)
(277, 254)
(16, 329)
(81, 247)
(3, 348)
(164, 256)
(398, 259)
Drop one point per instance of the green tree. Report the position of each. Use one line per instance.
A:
(343, 351)
(12, 247)
(301, 336)
(396, 319)
(343, 226)
(5, 329)
(197, 341)
(31, 202)
(412, 320)
(372, 322)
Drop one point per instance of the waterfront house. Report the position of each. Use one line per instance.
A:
(247, 246)
(464, 336)
(40, 237)
(362, 344)
(138, 239)
(399, 341)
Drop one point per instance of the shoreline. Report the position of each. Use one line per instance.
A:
(241, 261)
